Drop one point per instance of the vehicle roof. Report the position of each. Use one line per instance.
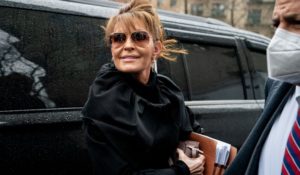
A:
(118, 5)
(105, 9)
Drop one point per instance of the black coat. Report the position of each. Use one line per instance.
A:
(247, 159)
(133, 128)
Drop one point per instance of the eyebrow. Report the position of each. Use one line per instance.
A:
(292, 17)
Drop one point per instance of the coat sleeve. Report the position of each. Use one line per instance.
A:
(194, 123)
(107, 160)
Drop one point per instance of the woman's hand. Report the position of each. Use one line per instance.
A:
(196, 165)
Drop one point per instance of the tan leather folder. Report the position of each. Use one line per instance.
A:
(209, 147)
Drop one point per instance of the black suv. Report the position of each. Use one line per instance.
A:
(50, 51)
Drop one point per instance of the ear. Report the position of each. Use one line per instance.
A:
(157, 49)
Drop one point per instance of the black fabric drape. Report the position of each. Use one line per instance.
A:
(133, 128)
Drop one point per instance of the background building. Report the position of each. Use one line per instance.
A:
(253, 15)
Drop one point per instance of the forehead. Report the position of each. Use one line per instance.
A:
(285, 7)
(128, 25)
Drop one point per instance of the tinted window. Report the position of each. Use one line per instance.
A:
(174, 70)
(260, 73)
(47, 59)
(214, 72)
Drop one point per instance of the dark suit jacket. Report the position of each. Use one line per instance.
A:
(247, 159)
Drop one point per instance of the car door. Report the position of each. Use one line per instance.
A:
(216, 84)
(256, 56)
(49, 57)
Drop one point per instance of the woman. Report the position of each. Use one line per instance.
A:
(134, 118)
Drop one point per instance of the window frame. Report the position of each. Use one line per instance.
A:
(173, 3)
(197, 9)
(258, 48)
(66, 16)
(217, 11)
(216, 40)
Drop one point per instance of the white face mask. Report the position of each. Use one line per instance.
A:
(283, 57)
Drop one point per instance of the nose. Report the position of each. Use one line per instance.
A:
(129, 44)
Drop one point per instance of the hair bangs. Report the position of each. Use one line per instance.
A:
(127, 20)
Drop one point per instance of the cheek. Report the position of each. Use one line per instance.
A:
(148, 56)
(112, 51)
(115, 52)
(148, 51)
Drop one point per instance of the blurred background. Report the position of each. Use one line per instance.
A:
(252, 15)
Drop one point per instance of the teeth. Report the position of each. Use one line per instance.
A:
(128, 57)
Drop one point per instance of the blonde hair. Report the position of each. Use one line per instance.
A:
(143, 10)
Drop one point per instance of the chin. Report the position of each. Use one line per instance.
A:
(128, 69)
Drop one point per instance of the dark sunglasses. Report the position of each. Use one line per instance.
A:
(137, 37)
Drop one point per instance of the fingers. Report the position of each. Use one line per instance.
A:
(196, 165)
(198, 171)
(198, 168)
(181, 155)
(179, 151)
(201, 159)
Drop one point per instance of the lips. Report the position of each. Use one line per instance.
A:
(129, 57)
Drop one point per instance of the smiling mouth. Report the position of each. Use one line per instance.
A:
(129, 58)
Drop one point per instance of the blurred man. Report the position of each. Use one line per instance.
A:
(272, 147)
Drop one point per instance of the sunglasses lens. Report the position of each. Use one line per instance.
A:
(118, 38)
(139, 36)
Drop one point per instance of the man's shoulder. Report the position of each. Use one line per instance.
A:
(276, 90)
(276, 86)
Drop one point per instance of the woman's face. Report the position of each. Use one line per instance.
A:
(134, 50)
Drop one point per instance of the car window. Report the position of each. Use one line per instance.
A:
(214, 72)
(260, 73)
(48, 59)
(175, 70)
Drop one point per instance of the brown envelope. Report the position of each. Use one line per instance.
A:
(208, 145)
